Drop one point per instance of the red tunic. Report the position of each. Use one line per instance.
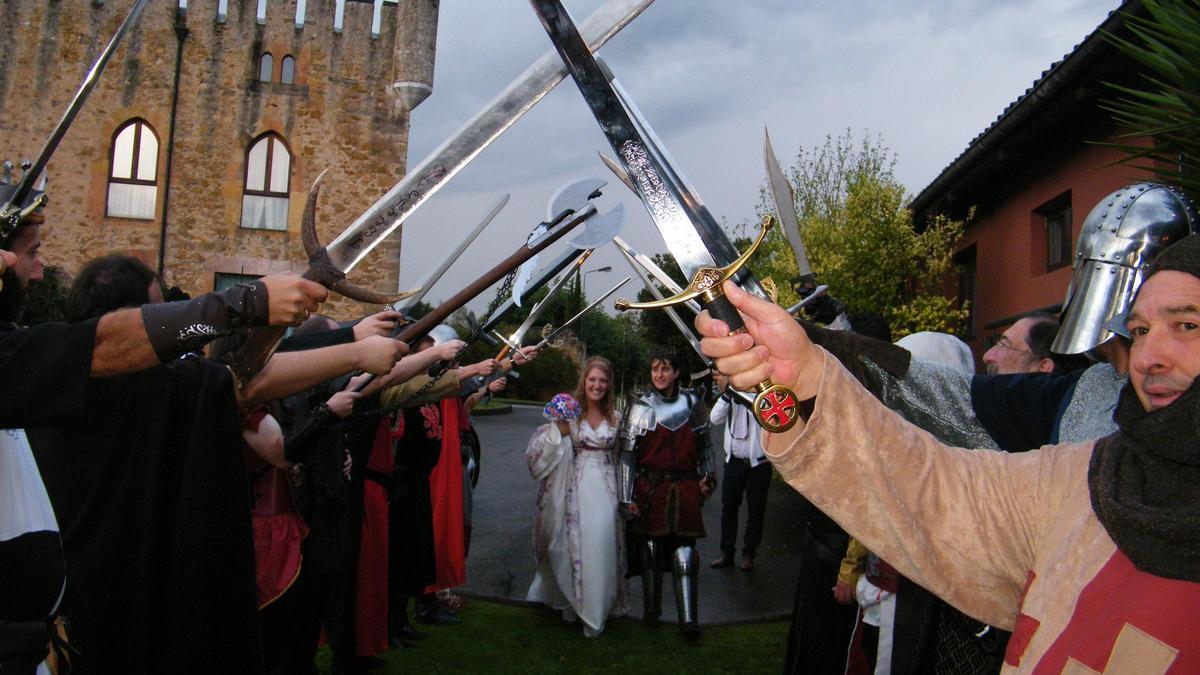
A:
(371, 636)
(446, 491)
(278, 527)
(667, 490)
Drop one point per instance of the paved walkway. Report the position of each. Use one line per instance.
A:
(501, 562)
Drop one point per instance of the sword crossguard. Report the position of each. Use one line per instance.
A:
(706, 278)
(775, 406)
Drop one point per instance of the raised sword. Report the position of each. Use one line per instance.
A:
(685, 224)
(11, 212)
(434, 275)
(329, 265)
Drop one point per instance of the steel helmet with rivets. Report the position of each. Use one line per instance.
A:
(1119, 239)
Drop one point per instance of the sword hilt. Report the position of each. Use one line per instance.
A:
(706, 277)
(775, 405)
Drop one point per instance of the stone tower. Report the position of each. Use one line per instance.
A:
(196, 148)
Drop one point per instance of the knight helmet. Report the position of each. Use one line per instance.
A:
(1119, 240)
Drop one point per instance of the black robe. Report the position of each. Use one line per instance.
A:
(152, 497)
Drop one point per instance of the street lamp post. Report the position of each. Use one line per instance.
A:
(579, 296)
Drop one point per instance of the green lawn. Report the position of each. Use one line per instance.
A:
(497, 638)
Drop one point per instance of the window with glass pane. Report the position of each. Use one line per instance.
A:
(1056, 215)
(287, 70)
(133, 172)
(268, 176)
(225, 280)
(266, 67)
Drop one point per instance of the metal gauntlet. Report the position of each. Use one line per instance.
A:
(639, 419)
(175, 328)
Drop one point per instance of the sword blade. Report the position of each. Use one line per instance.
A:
(557, 331)
(657, 272)
(81, 96)
(434, 275)
(565, 258)
(519, 334)
(385, 215)
(674, 316)
(785, 206)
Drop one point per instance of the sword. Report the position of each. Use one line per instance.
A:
(549, 337)
(687, 333)
(436, 274)
(570, 218)
(686, 226)
(519, 334)
(11, 212)
(567, 324)
(785, 207)
(329, 265)
(378, 221)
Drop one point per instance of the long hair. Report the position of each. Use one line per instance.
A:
(606, 404)
(107, 284)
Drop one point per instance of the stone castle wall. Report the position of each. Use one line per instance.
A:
(342, 113)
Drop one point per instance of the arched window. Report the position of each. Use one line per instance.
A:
(266, 67)
(287, 70)
(133, 172)
(268, 176)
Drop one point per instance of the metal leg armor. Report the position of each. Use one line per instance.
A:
(652, 574)
(687, 598)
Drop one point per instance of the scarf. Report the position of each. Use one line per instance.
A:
(1144, 482)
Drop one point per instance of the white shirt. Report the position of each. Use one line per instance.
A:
(742, 436)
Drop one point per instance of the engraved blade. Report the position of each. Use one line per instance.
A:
(386, 214)
(692, 235)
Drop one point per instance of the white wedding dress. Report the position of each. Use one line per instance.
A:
(578, 537)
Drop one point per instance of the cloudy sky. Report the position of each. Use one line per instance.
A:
(708, 75)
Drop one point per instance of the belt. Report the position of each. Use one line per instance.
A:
(739, 460)
(660, 476)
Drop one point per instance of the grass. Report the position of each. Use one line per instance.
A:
(499, 638)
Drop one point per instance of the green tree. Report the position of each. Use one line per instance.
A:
(861, 240)
(657, 329)
(1166, 109)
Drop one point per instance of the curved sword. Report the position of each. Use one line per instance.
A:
(785, 207)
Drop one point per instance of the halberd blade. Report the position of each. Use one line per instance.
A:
(600, 229)
(568, 197)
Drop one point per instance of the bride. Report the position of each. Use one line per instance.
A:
(578, 538)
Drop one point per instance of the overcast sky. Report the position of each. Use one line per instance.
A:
(708, 75)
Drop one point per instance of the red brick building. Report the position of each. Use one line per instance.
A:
(1032, 177)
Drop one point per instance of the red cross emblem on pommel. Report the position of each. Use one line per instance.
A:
(775, 408)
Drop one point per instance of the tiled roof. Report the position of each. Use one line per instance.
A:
(1039, 92)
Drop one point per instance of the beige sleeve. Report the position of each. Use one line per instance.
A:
(964, 524)
(448, 385)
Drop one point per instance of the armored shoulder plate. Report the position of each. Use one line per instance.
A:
(639, 418)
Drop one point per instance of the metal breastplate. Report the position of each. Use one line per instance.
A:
(672, 413)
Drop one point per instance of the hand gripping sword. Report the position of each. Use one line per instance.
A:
(329, 265)
(11, 212)
(673, 205)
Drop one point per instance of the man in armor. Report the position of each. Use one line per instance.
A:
(666, 473)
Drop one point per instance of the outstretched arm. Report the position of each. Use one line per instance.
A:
(891, 485)
(294, 372)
